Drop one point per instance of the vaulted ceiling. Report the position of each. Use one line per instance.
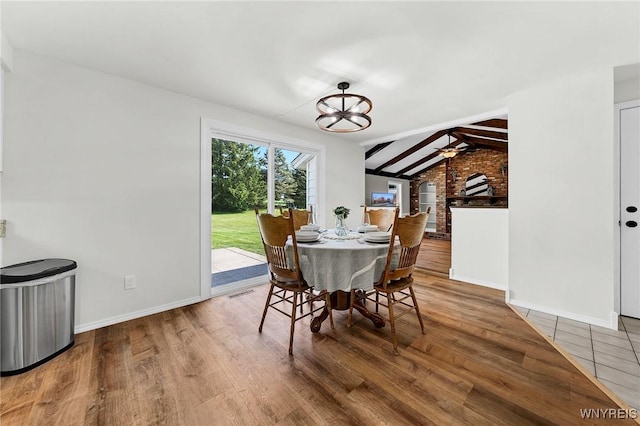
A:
(408, 157)
(423, 64)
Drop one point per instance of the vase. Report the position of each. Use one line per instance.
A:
(341, 229)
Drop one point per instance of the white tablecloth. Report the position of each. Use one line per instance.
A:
(342, 264)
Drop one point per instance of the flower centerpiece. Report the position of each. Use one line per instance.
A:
(341, 210)
(341, 213)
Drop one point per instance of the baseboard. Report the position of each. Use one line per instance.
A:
(476, 281)
(134, 315)
(611, 324)
(215, 291)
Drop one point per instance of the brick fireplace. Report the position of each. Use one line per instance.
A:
(450, 177)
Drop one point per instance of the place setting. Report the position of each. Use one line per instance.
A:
(371, 233)
(306, 236)
(310, 232)
(364, 228)
(377, 237)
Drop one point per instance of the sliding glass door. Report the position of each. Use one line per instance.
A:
(245, 175)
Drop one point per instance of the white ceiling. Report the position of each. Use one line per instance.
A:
(424, 65)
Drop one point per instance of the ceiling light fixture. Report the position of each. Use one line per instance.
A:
(449, 151)
(343, 112)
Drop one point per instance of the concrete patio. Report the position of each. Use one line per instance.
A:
(234, 264)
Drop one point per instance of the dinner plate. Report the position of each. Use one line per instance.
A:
(367, 228)
(377, 237)
(310, 227)
(375, 241)
(307, 236)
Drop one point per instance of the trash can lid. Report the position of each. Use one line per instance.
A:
(35, 269)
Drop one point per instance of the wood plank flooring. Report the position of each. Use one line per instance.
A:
(435, 256)
(206, 364)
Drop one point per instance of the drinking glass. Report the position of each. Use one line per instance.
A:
(311, 220)
(366, 220)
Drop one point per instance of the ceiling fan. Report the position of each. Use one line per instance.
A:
(450, 151)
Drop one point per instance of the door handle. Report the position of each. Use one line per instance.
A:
(632, 209)
(631, 223)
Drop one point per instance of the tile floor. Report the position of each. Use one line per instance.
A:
(612, 356)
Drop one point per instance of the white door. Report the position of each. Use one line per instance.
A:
(629, 116)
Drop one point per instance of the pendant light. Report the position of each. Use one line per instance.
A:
(343, 112)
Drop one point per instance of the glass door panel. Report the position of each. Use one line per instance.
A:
(243, 176)
(238, 184)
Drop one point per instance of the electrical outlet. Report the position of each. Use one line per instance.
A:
(129, 282)
(3, 228)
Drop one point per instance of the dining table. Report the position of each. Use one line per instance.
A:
(339, 264)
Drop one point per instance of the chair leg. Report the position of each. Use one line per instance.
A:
(377, 301)
(266, 306)
(392, 322)
(351, 303)
(329, 308)
(302, 302)
(293, 322)
(415, 305)
(310, 299)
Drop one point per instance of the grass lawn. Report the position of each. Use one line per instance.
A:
(236, 230)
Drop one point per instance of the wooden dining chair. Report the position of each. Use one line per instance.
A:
(300, 217)
(383, 218)
(396, 282)
(288, 287)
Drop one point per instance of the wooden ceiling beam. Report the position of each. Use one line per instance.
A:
(499, 123)
(481, 132)
(478, 138)
(487, 144)
(417, 147)
(437, 163)
(428, 157)
(386, 174)
(375, 149)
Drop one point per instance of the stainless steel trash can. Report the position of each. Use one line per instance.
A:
(37, 303)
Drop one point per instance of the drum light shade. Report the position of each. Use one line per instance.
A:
(343, 112)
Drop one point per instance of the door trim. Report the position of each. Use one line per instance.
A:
(617, 270)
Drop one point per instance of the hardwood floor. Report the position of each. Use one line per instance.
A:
(435, 256)
(206, 364)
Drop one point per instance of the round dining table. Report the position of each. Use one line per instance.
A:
(339, 265)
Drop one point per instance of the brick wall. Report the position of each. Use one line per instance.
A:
(450, 183)
(483, 161)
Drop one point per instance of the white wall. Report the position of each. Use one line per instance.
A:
(381, 184)
(561, 218)
(6, 63)
(344, 174)
(106, 171)
(480, 246)
(626, 83)
(627, 90)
